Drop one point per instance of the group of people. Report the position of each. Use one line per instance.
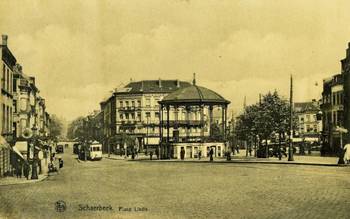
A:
(22, 167)
(210, 154)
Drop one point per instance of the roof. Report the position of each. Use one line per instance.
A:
(306, 107)
(194, 94)
(153, 86)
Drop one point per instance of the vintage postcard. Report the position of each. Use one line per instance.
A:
(174, 109)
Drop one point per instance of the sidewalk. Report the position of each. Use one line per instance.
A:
(14, 180)
(314, 160)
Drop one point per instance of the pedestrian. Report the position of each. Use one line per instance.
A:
(211, 152)
(132, 154)
(199, 155)
(18, 168)
(182, 154)
(151, 155)
(228, 155)
(26, 170)
(250, 150)
(157, 153)
(347, 153)
(237, 149)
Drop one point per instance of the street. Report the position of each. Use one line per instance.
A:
(142, 189)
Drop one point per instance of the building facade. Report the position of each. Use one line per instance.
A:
(8, 62)
(134, 110)
(336, 107)
(309, 123)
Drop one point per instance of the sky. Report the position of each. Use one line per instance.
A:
(79, 51)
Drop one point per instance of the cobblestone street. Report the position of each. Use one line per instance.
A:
(182, 190)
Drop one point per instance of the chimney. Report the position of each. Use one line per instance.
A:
(32, 80)
(4, 40)
(177, 83)
(194, 79)
(160, 83)
(141, 86)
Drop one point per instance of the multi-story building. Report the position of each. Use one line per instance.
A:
(336, 106)
(29, 107)
(8, 62)
(309, 124)
(109, 121)
(136, 110)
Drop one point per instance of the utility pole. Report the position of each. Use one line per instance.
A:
(290, 150)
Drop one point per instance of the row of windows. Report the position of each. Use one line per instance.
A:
(137, 103)
(309, 128)
(308, 118)
(153, 130)
(337, 98)
(6, 80)
(6, 119)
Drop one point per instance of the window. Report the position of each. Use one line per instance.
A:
(132, 116)
(3, 76)
(148, 102)
(139, 103)
(15, 106)
(301, 119)
(121, 103)
(333, 98)
(127, 116)
(341, 98)
(121, 116)
(127, 103)
(308, 118)
(139, 116)
(307, 128)
(156, 114)
(133, 103)
(14, 85)
(148, 115)
(7, 80)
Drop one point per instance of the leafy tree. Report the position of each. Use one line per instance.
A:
(55, 127)
(76, 129)
(265, 119)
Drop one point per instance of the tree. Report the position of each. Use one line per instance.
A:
(55, 127)
(76, 129)
(264, 119)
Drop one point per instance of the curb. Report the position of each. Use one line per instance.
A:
(26, 182)
(245, 162)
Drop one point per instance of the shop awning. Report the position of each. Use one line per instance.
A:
(15, 149)
(4, 143)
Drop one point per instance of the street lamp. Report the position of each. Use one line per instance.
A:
(32, 143)
(341, 130)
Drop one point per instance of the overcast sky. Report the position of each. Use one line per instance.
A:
(80, 50)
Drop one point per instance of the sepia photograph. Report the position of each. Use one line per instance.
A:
(174, 109)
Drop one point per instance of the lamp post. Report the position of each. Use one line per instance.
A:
(341, 130)
(290, 149)
(33, 142)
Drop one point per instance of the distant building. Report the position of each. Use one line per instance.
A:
(309, 123)
(134, 110)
